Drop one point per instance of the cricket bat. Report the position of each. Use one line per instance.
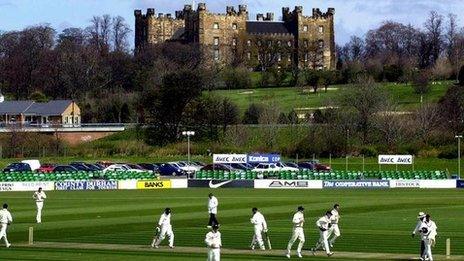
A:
(268, 239)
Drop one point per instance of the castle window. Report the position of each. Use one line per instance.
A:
(216, 41)
(279, 43)
(234, 41)
(259, 43)
(305, 28)
(289, 58)
(216, 55)
(216, 26)
(306, 57)
(279, 57)
(320, 43)
(321, 29)
(305, 43)
(269, 43)
(289, 43)
(249, 42)
(234, 26)
(249, 55)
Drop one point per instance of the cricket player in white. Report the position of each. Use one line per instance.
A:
(260, 226)
(420, 220)
(334, 230)
(213, 242)
(164, 229)
(39, 197)
(324, 223)
(428, 233)
(5, 220)
(298, 233)
(212, 210)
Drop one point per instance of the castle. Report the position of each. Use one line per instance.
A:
(305, 41)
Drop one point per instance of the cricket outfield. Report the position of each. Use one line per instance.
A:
(119, 225)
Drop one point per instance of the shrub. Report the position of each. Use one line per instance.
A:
(368, 151)
(237, 78)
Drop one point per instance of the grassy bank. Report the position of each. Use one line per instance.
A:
(289, 98)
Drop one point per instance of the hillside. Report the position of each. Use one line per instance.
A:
(289, 98)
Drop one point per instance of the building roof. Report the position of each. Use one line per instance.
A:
(51, 108)
(14, 107)
(56, 107)
(266, 27)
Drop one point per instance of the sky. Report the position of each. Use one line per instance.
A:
(352, 17)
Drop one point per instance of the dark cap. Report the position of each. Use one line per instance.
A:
(215, 226)
(300, 208)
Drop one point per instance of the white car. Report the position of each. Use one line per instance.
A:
(192, 168)
(285, 167)
(121, 167)
(266, 167)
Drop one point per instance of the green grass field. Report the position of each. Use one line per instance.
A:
(288, 98)
(377, 221)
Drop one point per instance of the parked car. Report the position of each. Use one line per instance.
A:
(168, 169)
(17, 167)
(46, 168)
(286, 167)
(199, 163)
(239, 166)
(218, 166)
(105, 163)
(306, 166)
(65, 168)
(316, 165)
(149, 166)
(34, 164)
(186, 167)
(292, 164)
(266, 167)
(121, 167)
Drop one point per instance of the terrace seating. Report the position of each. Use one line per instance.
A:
(77, 175)
(313, 175)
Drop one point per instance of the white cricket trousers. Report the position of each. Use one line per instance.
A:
(214, 254)
(335, 231)
(258, 238)
(39, 205)
(428, 249)
(298, 233)
(323, 241)
(166, 231)
(3, 233)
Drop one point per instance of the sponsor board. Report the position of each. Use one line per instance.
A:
(459, 183)
(27, 186)
(179, 183)
(198, 183)
(288, 184)
(153, 184)
(263, 158)
(442, 183)
(127, 184)
(86, 185)
(395, 159)
(357, 184)
(229, 158)
(405, 183)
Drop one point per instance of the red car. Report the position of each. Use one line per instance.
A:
(46, 168)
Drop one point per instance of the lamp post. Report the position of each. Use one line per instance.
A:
(188, 134)
(459, 137)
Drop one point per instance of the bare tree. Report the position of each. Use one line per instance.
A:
(391, 125)
(426, 119)
(121, 31)
(434, 30)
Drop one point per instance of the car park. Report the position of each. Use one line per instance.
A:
(286, 167)
(266, 167)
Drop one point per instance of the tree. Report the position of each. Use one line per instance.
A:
(461, 76)
(237, 78)
(121, 32)
(426, 119)
(420, 83)
(167, 103)
(434, 31)
(252, 114)
(364, 99)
